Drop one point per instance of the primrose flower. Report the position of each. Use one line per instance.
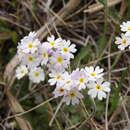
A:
(72, 97)
(94, 73)
(67, 82)
(122, 41)
(98, 89)
(31, 60)
(59, 91)
(28, 44)
(67, 48)
(56, 77)
(125, 27)
(21, 71)
(42, 53)
(52, 42)
(55, 55)
(36, 75)
(32, 34)
(58, 62)
(80, 78)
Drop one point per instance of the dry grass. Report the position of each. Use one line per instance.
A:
(92, 25)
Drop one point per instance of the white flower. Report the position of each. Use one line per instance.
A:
(59, 91)
(66, 48)
(42, 52)
(125, 27)
(56, 77)
(32, 34)
(58, 61)
(21, 71)
(31, 60)
(94, 74)
(80, 78)
(36, 75)
(20, 53)
(122, 41)
(67, 82)
(73, 97)
(52, 42)
(98, 89)
(28, 44)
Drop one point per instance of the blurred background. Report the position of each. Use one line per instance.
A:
(92, 25)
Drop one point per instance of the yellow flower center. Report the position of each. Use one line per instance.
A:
(128, 29)
(44, 55)
(81, 80)
(30, 45)
(58, 77)
(123, 41)
(93, 74)
(22, 72)
(66, 50)
(59, 59)
(52, 43)
(68, 82)
(98, 87)
(37, 74)
(61, 91)
(72, 94)
(30, 58)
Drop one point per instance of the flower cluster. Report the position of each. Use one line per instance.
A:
(124, 40)
(55, 55)
(70, 85)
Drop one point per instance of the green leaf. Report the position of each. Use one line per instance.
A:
(104, 2)
(14, 37)
(101, 44)
(99, 109)
(114, 14)
(116, 93)
(82, 53)
(128, 8)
